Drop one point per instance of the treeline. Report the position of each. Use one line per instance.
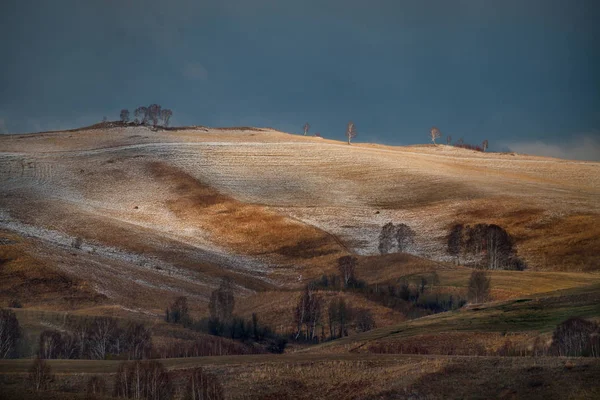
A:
(486, 246)
(223, 323)
(148, 380)
(154, 114)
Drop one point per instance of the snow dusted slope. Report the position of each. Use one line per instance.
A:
(279, 208)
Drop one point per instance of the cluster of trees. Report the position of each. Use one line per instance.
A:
(576, 337)
(311, 316)
(478, 289)
(399, 237)
(142, 380)
(435, 133)
(143, 115)
(484, 245)
(222, 321)
(96, 339)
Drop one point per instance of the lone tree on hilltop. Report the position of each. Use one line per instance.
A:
(306, 128)
(154, 113)
(479, 287)
(124, 116)
(350, 131)
(435, 133)
(448, 140)
(141, 115)
(386, 238)
(222, 301)
(165, 115)
(484, 145)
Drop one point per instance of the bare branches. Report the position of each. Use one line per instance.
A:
(306, 128)
(165, 115)
(479, 287)
(10, 333)
(141, 115)
(124, 116)
(434, 133)
(350, 131)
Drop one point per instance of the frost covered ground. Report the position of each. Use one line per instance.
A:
(54, 184)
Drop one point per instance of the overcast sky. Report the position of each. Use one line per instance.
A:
(524, 74)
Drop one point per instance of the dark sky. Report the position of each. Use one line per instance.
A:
(524, 74)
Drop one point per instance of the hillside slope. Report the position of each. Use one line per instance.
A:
(167, 213)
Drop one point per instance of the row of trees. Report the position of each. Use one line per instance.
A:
(96, 340)
(153, 113)
(435, 133)
(484, 245)
(147, 380)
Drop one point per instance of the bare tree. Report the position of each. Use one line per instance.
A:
(50, 344)
(405, 237)
(40, 374)
(306, 128)
(96, 386)
(350, 131)
(143, 380)
(222, 301)
(434, 133)
(339, 315)
(141, 115)
(364, 319)
(124, 116)
(455, 239)
(10, 333)
(165, 115)
(576, 337)
(448, 140)
(484, 145)
(308, 313)
(386, 238)
(203, 386)
(347, 267)
(154, 113)
(479, 287)
(178, 312)
(139, 341)
(101, 336)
